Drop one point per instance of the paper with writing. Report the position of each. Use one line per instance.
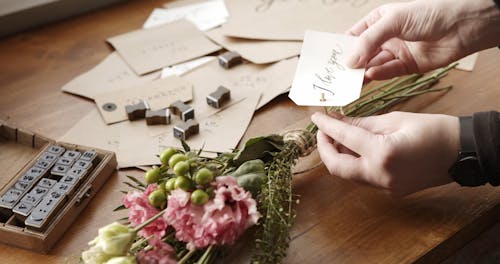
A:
(243, 80)
(147, 50)
(93, 132)
(158, 93)
(182, 68)
(204, 15)
(321, 78)
(257, 51)
(468, 63)
(289, 19)
(229, 124)
(111, 74)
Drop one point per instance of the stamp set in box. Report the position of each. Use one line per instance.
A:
(45, 186)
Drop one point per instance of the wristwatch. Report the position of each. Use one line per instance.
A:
(466, 171)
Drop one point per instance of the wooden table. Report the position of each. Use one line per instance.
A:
(337, 221)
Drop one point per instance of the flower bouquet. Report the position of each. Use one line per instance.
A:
(192, 208)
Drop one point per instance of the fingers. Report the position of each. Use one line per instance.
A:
(353, 137)
(342, 165)
(381, 58)
(387, 70)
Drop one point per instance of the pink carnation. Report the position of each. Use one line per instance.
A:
(140, 210)
(219, 222)
(162, 253)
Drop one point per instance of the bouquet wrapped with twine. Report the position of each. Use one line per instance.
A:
(192, 208)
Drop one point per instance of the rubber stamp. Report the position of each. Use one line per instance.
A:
(230, 59)
(137, 111)
(158, 117)
(187, 129)
(183, 110)
(219, 97)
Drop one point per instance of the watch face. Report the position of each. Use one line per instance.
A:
(467, 172)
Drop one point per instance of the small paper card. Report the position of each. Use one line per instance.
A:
(147, 50)
(158, 94)
(322, 78)
(182, 68)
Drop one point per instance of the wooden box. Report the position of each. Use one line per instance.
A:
(20, 152)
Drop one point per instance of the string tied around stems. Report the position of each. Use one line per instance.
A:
(305, 140)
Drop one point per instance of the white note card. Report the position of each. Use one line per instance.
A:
(322, 78)
(182, 68)
(205, 15)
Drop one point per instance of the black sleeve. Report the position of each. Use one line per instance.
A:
(486, 131)
(497, 2)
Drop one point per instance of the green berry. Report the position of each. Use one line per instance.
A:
(203, 176)
(170, 184)
(183, 183)
(157, 198)
(152, 175)
(166, 155)
(181, 168)
(175, 159)
(199, 197)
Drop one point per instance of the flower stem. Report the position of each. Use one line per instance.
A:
(149, 221)
(187, 256)
(206, 256)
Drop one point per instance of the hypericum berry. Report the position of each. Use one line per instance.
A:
(203, 176)
(152, 175)
(170, 184)
(181, 168)
(175, 159)
(183, 183)
(157, 198)
(199, 197)
(166, 155)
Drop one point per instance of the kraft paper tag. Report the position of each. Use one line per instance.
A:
(158, 94)
(147, 50)
(322, 78)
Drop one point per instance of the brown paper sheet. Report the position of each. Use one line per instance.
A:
(468, 63)
(219, 132)
(257, 51)
(242, 80)
(93, 132)
(288, 20)
(147, 50)
(158, 94)
(111, 74)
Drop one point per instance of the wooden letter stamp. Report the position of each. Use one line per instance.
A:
(230, 59)
(187, 129)
(183, 110)
(158, 117)
(137, 111)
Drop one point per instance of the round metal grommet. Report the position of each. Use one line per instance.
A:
(110, 107)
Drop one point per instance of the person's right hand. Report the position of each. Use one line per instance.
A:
(403, 38)
(398, 152)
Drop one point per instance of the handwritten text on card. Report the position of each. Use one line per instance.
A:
(321, 77)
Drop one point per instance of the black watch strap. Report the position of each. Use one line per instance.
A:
(467, 143)
(467, 171)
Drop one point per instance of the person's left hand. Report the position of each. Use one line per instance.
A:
(399, 152)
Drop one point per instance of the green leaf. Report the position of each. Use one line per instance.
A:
(259, 148)
(121, 207)
(185, 146)
(138, 182)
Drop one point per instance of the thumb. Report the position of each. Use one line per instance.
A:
(353, 137)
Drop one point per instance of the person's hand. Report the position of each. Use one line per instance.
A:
(403, 38)
(399, 152)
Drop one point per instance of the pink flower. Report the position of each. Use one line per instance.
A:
(162, 253)
(140, 210)
(219, 222)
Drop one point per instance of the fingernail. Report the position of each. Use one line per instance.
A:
(352, 61)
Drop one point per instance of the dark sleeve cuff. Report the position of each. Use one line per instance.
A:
(486, 136)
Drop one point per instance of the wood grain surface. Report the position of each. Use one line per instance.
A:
(338, 221)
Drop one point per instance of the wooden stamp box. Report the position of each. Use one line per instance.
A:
(38, 204)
